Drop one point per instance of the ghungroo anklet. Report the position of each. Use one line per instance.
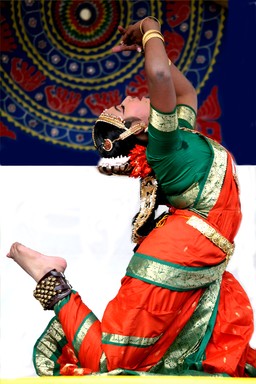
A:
(51, 288)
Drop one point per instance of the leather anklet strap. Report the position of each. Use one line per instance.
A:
(52, 288)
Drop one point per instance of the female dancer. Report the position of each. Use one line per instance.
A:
(177, 311)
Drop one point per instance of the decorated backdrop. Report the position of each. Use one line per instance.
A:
(58, 73)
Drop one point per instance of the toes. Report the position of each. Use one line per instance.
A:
(13, 250)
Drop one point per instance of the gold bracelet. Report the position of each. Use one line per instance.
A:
(150, 32)
(150, 35)
(148, 17)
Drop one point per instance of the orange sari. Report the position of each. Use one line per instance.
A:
(177, 312)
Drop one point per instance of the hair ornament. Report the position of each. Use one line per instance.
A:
(110, 118)
(119, 165)
(107, 144)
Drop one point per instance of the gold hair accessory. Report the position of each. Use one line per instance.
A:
(150, 34)
(148, 17)
(117, 121)
(108, 144)
(119, 165)
(133, 130)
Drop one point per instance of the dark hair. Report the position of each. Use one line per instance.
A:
(103, 130)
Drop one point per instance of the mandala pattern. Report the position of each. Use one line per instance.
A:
(58, 71)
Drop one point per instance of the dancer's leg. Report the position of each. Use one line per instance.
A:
(35, 263)
(82, 329)
(228, 349)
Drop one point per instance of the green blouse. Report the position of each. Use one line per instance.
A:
(180, 158)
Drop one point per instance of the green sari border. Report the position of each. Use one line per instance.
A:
(172, 276)
(82, 331)
(55, 354)
(129, 341)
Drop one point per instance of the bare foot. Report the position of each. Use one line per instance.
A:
(34, 263)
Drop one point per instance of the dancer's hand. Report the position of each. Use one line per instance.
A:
(131, 38)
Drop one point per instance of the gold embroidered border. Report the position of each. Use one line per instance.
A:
(162, 121)
(171, 276)
(214, 236)
(186, 113)
(140, 342)
(215, 178)
(46, 347)
(214, 182)
(83, 330)
(189, 339)
(103, 363)
(185, 199)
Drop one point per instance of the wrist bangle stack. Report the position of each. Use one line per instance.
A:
(148, 17)
(150, 34)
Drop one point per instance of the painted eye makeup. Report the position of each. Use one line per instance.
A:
(120, 108)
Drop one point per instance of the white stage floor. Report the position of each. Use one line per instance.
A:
(77, 213)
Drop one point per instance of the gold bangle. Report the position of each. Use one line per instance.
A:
(151, 37)
(148, 17)
(151, 31)
(152, 34)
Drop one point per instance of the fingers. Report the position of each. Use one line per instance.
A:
(117, 48)
(129, 42)
(124, 47)
(121, 29)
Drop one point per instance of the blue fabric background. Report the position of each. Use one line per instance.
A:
(230, 71)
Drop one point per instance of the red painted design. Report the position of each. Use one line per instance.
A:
(100, 101)
(207, 114)
(138, 87)
(61, 100)
(174, 45)
(6, 132)
(27, 77)
(177, 12)
(7, 42)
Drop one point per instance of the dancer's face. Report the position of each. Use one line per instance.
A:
(132, 107)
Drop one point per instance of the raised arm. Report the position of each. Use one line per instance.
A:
(185, 92)
(167, 85)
